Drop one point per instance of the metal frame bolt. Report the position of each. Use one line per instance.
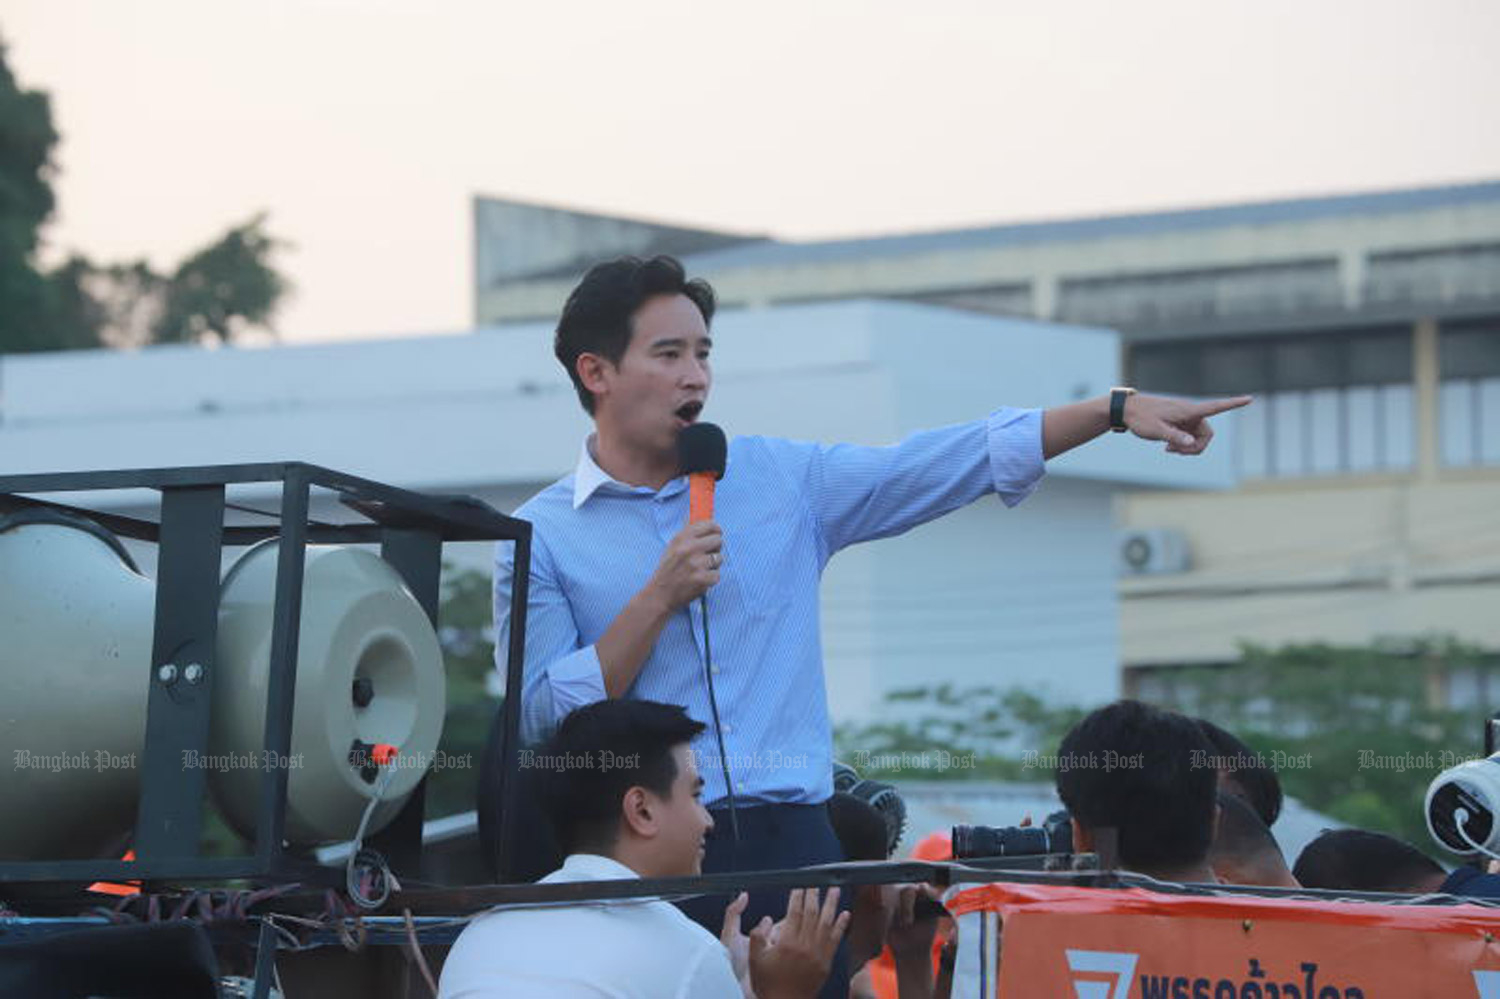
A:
(167, 673)
(193, 672)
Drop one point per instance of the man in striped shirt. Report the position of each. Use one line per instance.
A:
(616, 576)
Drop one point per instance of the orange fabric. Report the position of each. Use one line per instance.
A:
(700, 497)
(1061, 940)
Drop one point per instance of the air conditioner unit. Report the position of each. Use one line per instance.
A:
(1153, 551)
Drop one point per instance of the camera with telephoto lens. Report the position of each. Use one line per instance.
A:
(1054, 835)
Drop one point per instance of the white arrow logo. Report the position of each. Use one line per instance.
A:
(1119, 966)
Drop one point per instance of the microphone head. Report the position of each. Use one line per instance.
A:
(701, 447)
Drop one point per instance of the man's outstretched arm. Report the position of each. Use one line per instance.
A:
(1181, 423)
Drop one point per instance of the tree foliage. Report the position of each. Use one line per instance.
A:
(214, 295)
(222, 289)
(1359, 732)
(1355, 732)
(27, 138)
(467, 637)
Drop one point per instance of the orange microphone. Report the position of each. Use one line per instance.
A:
(701, 453)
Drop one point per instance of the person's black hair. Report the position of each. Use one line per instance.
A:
(599, 752)
(1242, 834)
(1133, 767)
(1363, 860)
(599, 315)
(859, 826)
(1250, 776)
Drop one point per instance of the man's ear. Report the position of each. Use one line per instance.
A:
(592, 370)
(637, 809)
(1083, 839)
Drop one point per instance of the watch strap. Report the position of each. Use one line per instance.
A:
(1117, 397)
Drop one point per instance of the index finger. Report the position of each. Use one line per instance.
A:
(1215, 406)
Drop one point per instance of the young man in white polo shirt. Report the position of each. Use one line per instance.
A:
(624, 793)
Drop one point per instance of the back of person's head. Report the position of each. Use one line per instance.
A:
(1130, 767)
(859, 826)
(598, 316)
(862, 835)
(1244, 852)
(1244, 772)
(598, 753)
(1362, 860)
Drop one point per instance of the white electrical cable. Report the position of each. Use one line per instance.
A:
(384, 880)
(1460, 816)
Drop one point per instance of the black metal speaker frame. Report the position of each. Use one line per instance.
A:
(410, 528)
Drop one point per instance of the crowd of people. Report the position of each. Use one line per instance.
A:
(1152, 794)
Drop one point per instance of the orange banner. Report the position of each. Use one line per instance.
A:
(1093, 943)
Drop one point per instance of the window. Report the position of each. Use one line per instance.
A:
(1469, 394)
(1329, 403)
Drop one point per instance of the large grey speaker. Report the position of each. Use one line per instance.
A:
(75, 661)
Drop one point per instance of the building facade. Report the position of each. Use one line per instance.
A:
(1368, 328)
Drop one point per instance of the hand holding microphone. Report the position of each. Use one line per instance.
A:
(691, 563)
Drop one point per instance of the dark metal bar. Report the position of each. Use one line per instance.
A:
(181, 672)
(417, 554)
(510, 776)
(144, 869)
(327, 534)
(125, 527)
(281, 684)
(265, 961)
(147, 478)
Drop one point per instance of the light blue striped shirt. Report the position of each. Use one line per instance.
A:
(785, 508)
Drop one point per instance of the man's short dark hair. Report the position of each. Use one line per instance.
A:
(1362, 860)
(1131, 767)
(1242, 836)
(599, 752)
(1250, 776)
(599, 314)
(859, 826)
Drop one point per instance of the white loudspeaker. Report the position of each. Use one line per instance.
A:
(369, 671)
(1462, 804)
(75, 663)
(75, 656)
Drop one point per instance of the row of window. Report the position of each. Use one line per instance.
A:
(1338, 403)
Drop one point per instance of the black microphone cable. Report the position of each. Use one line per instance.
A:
(713, 706)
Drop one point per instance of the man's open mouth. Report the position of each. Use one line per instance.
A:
(688, 411)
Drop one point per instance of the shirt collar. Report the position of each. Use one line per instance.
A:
(594, 867)
(588, 477)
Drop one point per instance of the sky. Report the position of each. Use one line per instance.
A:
(365, 127)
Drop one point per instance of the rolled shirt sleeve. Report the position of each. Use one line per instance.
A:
(558, 675)
(1015, 446)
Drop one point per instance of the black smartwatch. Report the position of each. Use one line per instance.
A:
(1117, 397)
